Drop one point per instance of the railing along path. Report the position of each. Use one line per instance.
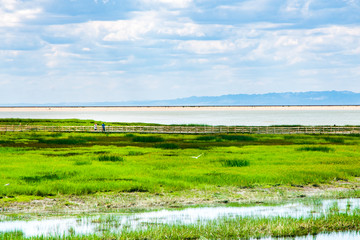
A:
(190, 129)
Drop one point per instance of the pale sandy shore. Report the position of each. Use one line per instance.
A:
(180, 108)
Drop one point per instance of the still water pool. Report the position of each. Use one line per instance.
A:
(115, 223)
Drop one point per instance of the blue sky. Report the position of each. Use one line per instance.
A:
(124, 50)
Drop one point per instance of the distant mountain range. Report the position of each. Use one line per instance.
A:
(268, 99)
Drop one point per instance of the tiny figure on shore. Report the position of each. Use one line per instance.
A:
(95, 127)
(103, 127)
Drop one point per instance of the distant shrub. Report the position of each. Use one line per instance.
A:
(206, 138)
(110, 158)
(82, 162)
(235, 163)
(354, 135)
(130, 135)
(237, 138)
(67, 141)
(38, 178)
(167, 146)
(316, 149)
(335, 140)
(148, 139)
(136, 189)
(135, 153)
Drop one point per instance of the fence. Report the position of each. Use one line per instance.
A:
(190, 129)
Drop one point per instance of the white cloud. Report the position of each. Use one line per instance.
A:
(298, 7)
(181, 29)
(124, 30)
(167, 3)
(249, 6)
(207, 47)
(13, 13)
(150, 25)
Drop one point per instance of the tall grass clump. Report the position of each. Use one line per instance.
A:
(316, 149)
(238, 138)
(135, 153)
(148, 139)
(66, 141)
(167, 146)
(110, 158)
(335, 140)
(235, 163)
(206, 138)
(82, 162)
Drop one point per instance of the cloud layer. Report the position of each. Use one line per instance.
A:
(112, 50)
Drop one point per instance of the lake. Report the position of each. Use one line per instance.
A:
(230, 116)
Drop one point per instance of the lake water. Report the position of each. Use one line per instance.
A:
(213, 116)
(115, 223)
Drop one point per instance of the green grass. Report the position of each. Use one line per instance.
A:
(48, 164)
(42, 165)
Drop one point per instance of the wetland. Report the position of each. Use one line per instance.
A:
(104, 178)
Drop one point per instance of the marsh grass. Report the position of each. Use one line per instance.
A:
(68, 141)
(244, 138)
(316, 149)
(335, 140)
(228, 137)
(47, 176)
(223, 228)
(148, 139)
(82, 162)
(135, 153)
(167, 146)
(34, 169)
(207, 138)
(235, 163)
(110, 158)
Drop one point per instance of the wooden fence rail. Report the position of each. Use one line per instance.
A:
(189, 129)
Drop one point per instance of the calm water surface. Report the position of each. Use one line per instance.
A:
(208, 117)
(117, 222)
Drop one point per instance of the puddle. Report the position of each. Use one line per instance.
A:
(323, 236)
(115, 223)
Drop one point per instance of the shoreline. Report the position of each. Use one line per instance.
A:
(180, 108)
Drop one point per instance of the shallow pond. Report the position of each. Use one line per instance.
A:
(323, 236)
(117, 222)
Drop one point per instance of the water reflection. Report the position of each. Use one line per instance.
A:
(115, 223)
(323, 236)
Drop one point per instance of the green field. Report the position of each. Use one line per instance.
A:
(51, 164)
(45, 173)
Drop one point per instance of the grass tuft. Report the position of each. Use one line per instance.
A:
(110, 158)
(206, 138)
(135, 153)
(148, 139)
(82, 162)
(167, 146)
(316, 149)
(48, 176)
(238, 138)
(235, 163)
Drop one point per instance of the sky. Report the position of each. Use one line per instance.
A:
(60, 51)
